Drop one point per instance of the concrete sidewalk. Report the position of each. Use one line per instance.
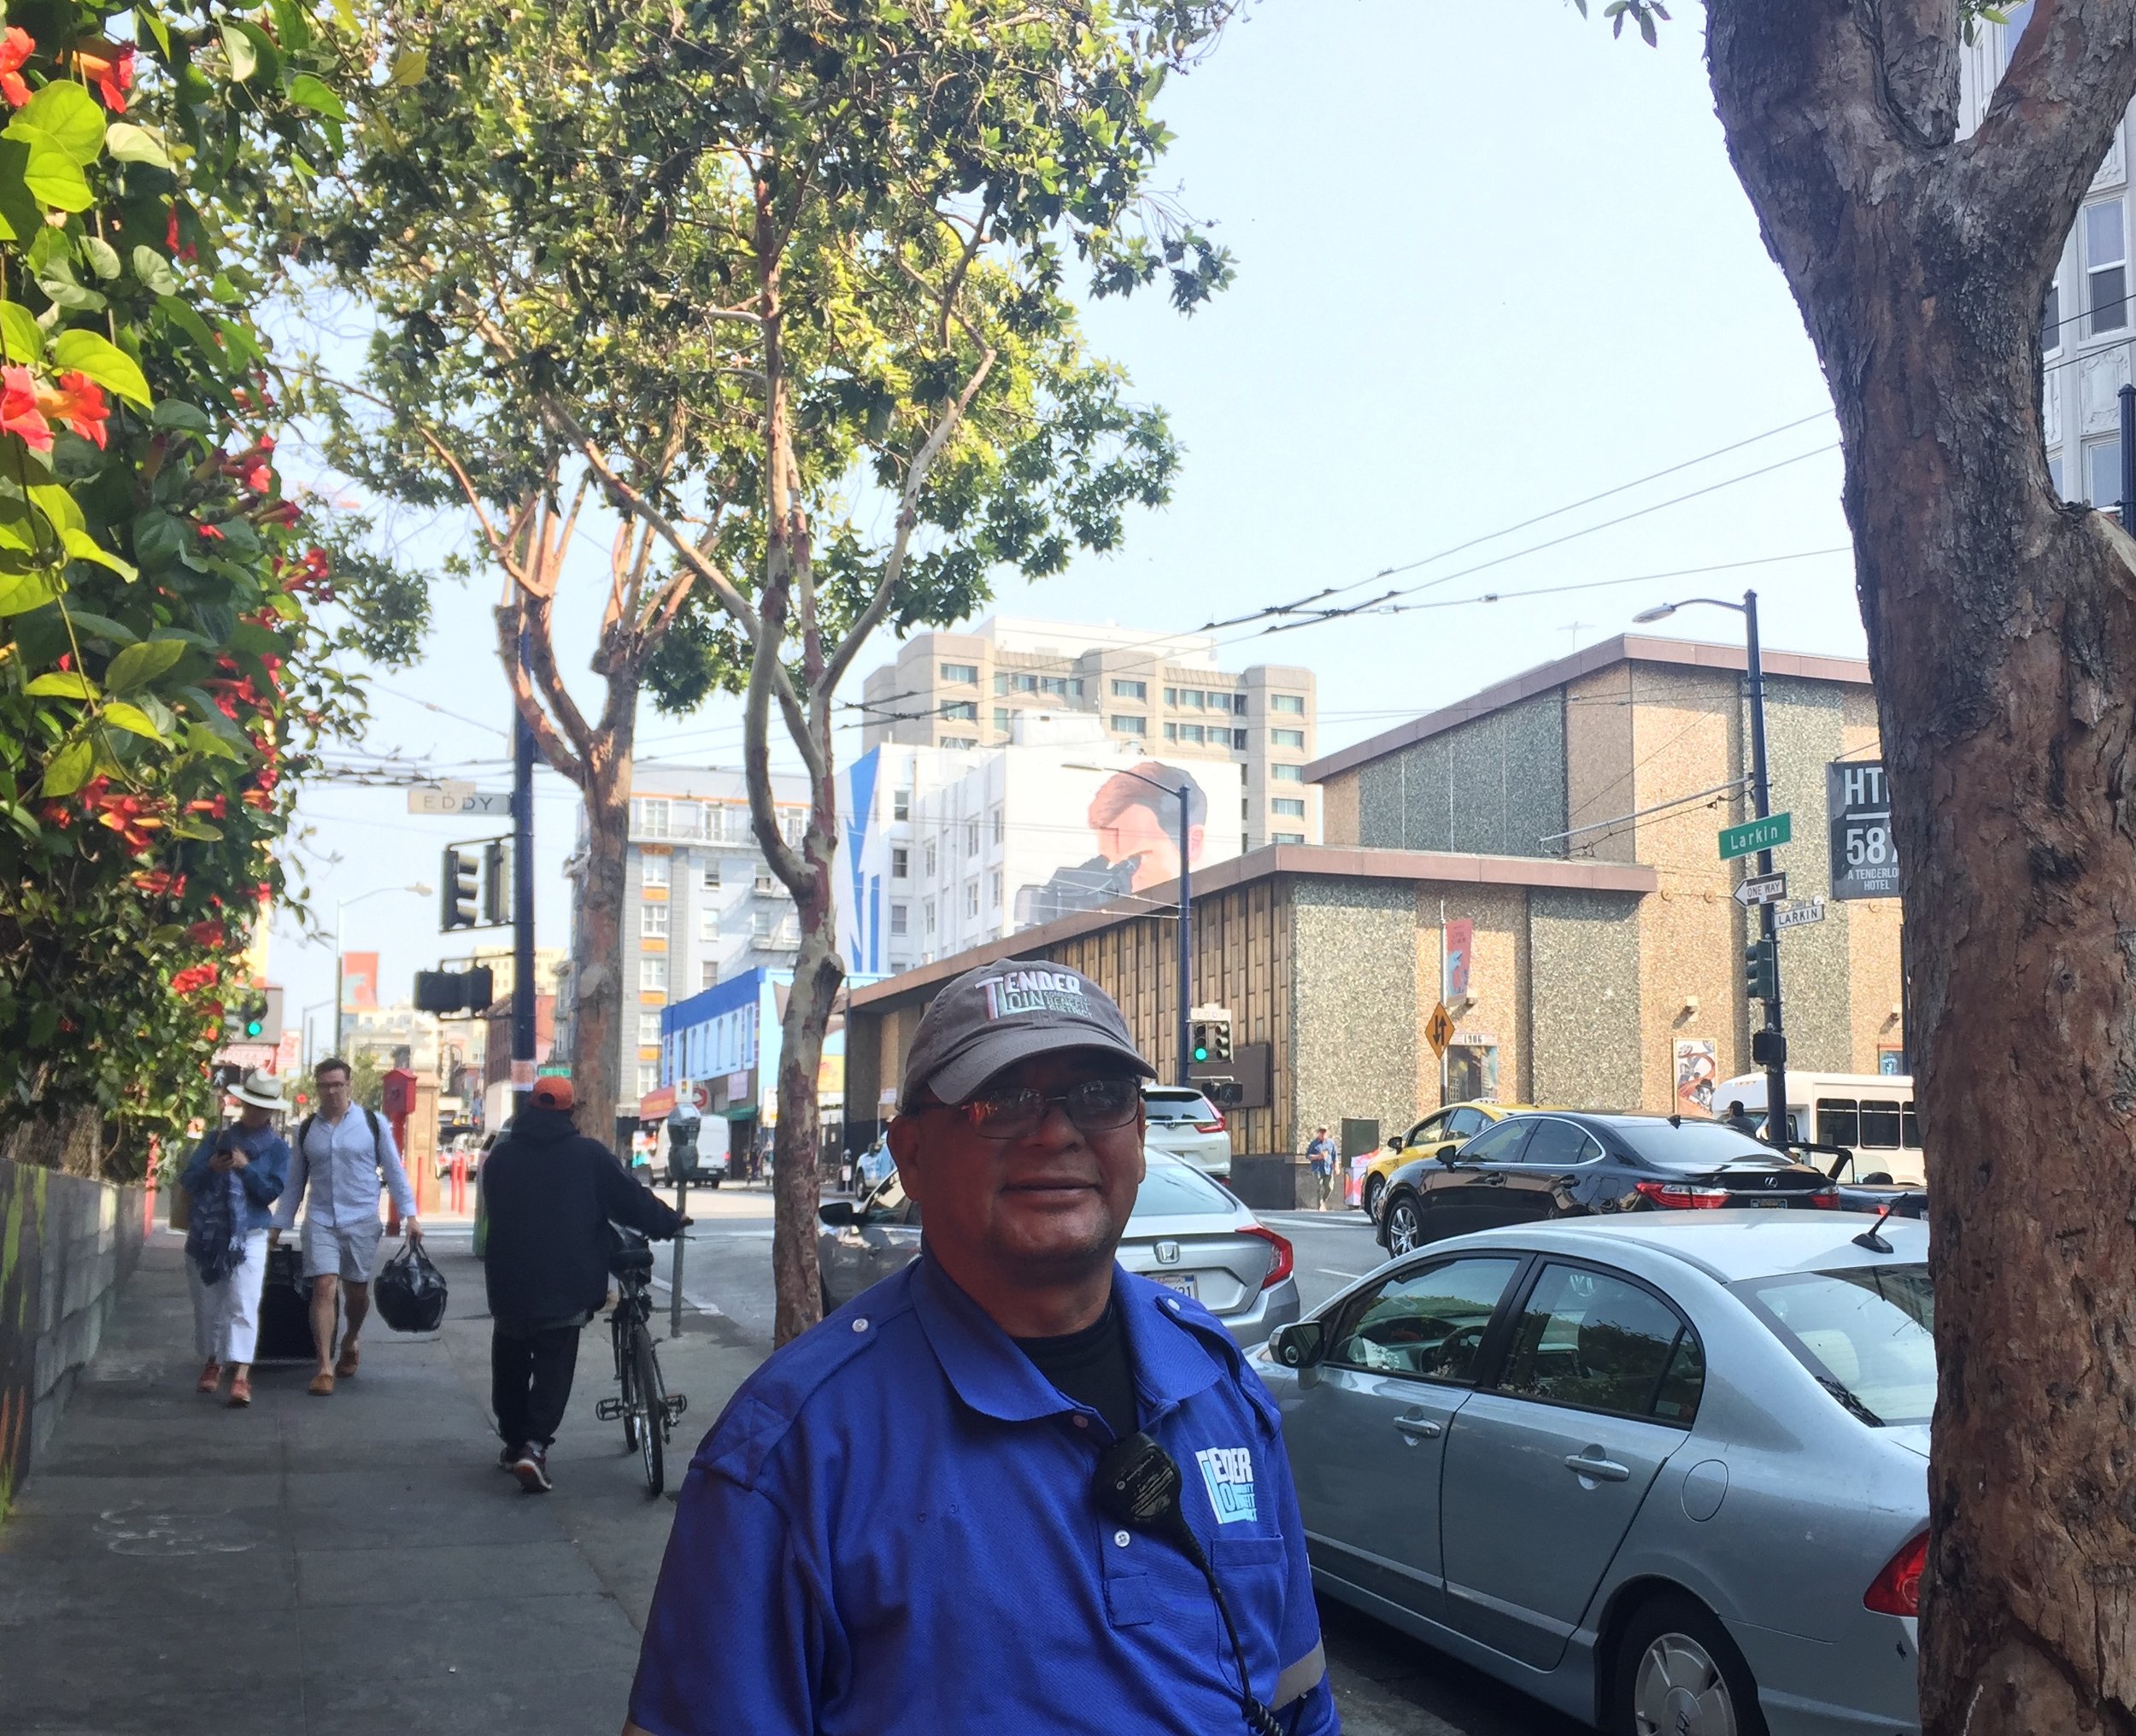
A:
(353, 1564)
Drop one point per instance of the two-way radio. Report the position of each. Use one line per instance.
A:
(1137, 1485)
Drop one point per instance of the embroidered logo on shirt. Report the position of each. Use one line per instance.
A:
(1228, 1472)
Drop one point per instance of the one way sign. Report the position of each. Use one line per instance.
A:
(1761, 889)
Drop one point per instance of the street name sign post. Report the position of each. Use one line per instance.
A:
(1753, 835)
(1797, 916)
(1760, 889)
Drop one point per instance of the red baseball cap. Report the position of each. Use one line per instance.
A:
(553, 1092)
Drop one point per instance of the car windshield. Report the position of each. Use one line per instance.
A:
(1178, 1105)
(1866, 1334)
(1688, 1144)
(1172, 1189)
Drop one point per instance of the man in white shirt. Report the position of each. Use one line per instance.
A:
(339, 1156)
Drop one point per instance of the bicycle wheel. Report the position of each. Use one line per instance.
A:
(652, 1410)
(627, 1376)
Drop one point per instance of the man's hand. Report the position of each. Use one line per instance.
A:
(274, 1238)
(412, 1229)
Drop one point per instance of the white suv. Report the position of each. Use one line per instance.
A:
(1184, 1122)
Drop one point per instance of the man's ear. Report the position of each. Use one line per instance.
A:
(904, 1147)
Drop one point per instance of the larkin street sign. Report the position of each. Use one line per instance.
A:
(1753, 835)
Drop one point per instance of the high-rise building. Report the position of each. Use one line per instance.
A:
(1160, 694)
(2087, 321)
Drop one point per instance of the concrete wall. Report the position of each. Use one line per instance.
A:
(1585, 999)
(66, 1245)
(1358, 1013)
(1493, 787)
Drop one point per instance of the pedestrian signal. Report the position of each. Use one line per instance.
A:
(1761, 971)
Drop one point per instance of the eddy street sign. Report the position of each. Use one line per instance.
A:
(1753, 835)
(457, 799)
(1858, 798)
(1795, 915)
(1761, 889)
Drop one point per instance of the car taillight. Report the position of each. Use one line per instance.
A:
(1675, 1196)
(1823, 1202)
(1216, 1126)
(1897, 1590)
(1281, 1266)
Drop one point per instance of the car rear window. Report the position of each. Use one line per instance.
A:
(1689, 1144)
(1177, 1190)
(1179, 1105)
(1868, 1334)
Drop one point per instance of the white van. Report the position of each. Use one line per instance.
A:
(1871, 1114)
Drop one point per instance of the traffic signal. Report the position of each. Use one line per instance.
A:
(1201, 1040)
(454, 991)
(497, 884)
(456, 890)
(244, 1020)
(1212, 1038)
(1761, 971)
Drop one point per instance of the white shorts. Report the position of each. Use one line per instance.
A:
(347, 1252)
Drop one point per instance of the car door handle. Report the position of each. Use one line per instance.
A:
(1419, 1428)
(1603, 1470)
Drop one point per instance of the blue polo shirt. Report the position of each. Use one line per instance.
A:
(890, 1531)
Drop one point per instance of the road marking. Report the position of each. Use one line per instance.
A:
(702, 1305)
(1331, 1272)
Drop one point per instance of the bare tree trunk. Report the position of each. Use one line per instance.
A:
(796, 1185)
(2002, 641)
(597, 1030)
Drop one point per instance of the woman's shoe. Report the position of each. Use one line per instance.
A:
(240, 1390)
(210, 1376)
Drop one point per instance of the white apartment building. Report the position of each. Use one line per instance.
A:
(1161, 694)
(2087, 323)
(943, 848)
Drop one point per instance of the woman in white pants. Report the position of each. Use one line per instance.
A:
(235, 1177)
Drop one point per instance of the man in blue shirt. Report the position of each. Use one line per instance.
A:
(897, 1528)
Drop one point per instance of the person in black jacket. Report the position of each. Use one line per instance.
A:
(549, 1195)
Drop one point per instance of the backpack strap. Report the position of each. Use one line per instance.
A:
(378, 1139)
(304, 1131)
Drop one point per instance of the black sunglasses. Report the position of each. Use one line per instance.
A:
(1094, 1105)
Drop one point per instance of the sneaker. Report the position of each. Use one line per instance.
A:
(509, 1457)
(532, 1469)
(210, 1376)
(240, 1392)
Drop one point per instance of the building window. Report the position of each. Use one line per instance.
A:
(927, 861)
(1287, 738)
(648, 817)
(900, 863)
(653, 870)
(652, 974)
(792, 823)
(1130, 726)
(1190, 732)
(764, 886)
(997, 889)
(710, 878)
(2106, 266)
(760, 926)
(971, 837)
(649, 1080)
(1000, 825)
(707, 924)
(1241, 739)
(1053, 686)
(1219, 701)
(1001, 719)
(1193, 698)
(1287, 837)
(649, 1030)
(1291, 704)
(901, 804)
(927, 915)
(709, 974)
(962, 742)
(1130, 689)
(901, 919)
(1000, 684)
(2050, 318)
(2054, 476)
(966, 674)
(1290, 807)
(961, 711)
(687, 818)
(2103, 473)
(653, 919)
(1172, 695)
(1171, 732)
(1287, 774)
(972, 899)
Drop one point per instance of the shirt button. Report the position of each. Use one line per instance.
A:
(1120, 1538)
(1082, 1422)
(1172, 1304)
(862, 1324)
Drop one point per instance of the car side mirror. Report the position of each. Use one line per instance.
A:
(1299, 1345)
(1447, 1154)
(837, 1214)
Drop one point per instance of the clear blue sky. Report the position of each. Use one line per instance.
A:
(1490, 262)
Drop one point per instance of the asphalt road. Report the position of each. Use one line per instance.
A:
(1385, 1683)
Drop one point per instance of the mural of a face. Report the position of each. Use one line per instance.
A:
(1138, 829)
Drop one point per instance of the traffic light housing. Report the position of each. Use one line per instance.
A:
(497, 884)
(456, 888)
(1761, 970)
(245, 1019)
(1210, 1036)
(454, 991)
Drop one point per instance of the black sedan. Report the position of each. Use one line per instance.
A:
(1535, 1166)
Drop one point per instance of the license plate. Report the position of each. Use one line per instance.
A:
(1763, 1204)
(1182, 1281)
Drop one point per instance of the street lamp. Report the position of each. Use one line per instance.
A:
(1184, 795)
(341, 904)
(1770, 1045)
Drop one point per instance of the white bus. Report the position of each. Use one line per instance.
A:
(1871, 1114)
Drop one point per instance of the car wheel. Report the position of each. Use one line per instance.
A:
(1405, 1227)
(1678, 1674)
(1374, 1187)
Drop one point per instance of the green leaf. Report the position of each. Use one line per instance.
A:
(103, 257)
(182, 316)
(64, 683)
(244, 59)
(85, 352)
(252, 52)
(138, 665)
(128, 143)
(98, 626)
(154, 272)
(132, 718)
(410, 66)
(19, 333)
(54, 178)
(198, 830)
(201, 740)
(57, 279)
(68, 116)
(176, 413)
(316, 94)
(21, 592)
(158, 538)
(156, 27)
(84, 546)
(58, 506)
(67, 771)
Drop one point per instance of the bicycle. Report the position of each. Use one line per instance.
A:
(646, 1408)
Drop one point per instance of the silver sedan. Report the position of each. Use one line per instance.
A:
(1667, 1472)
(1186, 1231)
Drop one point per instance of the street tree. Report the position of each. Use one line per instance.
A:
(784, 283)
(2002, 638)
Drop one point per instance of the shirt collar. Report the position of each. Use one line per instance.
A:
(994, 1377)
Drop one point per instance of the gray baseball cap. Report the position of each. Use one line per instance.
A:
(1002, 1013)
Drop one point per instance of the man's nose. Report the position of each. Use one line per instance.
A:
(1056, 1129)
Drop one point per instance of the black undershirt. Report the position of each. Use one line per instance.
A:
(1092, 1367)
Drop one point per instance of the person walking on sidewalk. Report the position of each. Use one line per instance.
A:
(550, 1193)
(342, 1152)
(1019, 1379)
(234, 1176)
(1320, 1152)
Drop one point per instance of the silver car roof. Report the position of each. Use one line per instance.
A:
(1727, 1245)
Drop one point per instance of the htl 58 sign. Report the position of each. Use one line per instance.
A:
(1858, 799)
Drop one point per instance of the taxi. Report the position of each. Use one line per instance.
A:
(1443, 1128)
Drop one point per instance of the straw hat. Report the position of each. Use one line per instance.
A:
(261, 1089)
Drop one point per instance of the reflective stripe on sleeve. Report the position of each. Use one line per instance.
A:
(1298, 1679)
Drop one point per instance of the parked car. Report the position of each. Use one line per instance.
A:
(1442, 1129)
(1666, 1471)
(1185, 1123)
(1562, 1164)
(1186, 1231)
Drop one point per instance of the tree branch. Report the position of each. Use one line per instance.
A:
(554, 748)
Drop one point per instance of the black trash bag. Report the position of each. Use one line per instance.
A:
(411, 1292)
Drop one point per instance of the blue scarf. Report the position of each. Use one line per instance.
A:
(215, 1239)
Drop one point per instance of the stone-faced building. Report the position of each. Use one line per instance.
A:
(1544, 857)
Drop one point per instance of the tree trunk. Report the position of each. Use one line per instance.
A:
(2002, 643)
(796, 1185)
(597, 1008)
